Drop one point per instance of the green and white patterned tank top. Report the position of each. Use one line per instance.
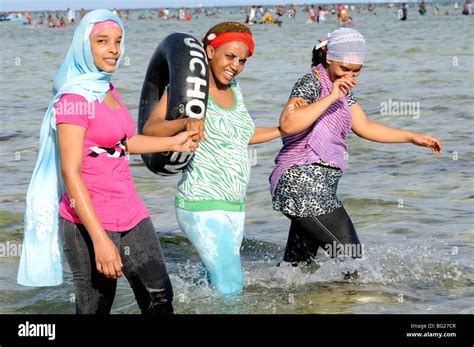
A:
(217, 176)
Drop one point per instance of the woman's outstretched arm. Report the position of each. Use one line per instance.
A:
(158, 125)
(264, 134)
(141, 144)
(374, 131)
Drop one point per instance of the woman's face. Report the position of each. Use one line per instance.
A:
(105, 48)
(338, 70)
(227, 61)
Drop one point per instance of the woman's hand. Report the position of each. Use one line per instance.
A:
(183, 142)
(341, 87)
(107, 258)
(427, 141)
(195, 124)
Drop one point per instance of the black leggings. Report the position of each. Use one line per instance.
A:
(143, 266)
(333, 232)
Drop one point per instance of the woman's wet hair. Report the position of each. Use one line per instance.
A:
(319, 57)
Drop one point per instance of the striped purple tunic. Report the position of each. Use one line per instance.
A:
(324, 140)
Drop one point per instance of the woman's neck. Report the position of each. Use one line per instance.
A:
(216, 85)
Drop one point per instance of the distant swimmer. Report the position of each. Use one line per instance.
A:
(403, 12)
(467, 8)
(422, 9)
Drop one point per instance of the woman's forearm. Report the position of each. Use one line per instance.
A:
(296, 119)
(373, 131)
(160, 127)
(264, 134)
(141, 144)
(377, 132)
(80, 200)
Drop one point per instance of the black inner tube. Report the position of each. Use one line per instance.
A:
(180, 62)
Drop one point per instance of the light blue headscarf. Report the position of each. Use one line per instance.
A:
(41, 257)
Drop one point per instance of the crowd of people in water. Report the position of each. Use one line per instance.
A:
(260, 15)
(403, 10)
(254, 14)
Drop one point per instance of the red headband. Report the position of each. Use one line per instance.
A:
(219, 40)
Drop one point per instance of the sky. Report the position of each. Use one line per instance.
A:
(35, 5)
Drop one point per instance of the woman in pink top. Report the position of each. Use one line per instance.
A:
(104, 226)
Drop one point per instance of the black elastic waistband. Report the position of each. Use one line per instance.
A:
(326, 166)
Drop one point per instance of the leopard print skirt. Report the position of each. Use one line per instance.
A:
(307, 190)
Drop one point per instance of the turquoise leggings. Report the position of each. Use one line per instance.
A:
(217, 236)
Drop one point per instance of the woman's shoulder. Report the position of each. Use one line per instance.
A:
(308, 77)
(71, 97)
(73, 109)
(307, 87)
